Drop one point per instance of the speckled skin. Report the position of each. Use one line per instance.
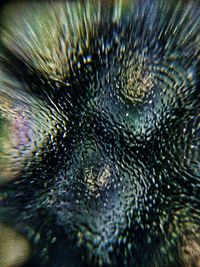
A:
(107, 160)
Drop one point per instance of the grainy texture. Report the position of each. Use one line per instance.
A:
(100, 131)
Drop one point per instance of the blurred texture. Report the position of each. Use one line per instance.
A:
(100, 133)
(14, 249)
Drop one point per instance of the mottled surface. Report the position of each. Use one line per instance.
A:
(100, 132)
